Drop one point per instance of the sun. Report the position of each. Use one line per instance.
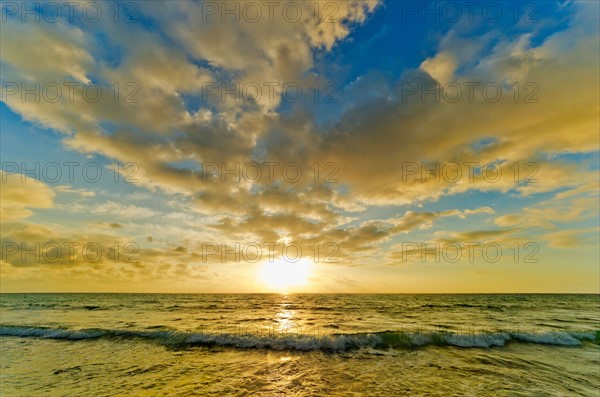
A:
(282, 275)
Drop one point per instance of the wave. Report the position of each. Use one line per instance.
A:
(460, 305)
(59, 306)
(329, 343)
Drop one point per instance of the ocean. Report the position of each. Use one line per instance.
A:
(299, 345)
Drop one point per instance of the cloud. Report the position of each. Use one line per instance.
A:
(123, 210)
(565, 207)
(573, 238)
(96, 257)
(368, 144)
(19, 195)
(69, 189)
(441, 67)
(161, 129)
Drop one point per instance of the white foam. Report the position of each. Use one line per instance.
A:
(335, 343)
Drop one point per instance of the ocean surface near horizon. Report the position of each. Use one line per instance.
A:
(300, 344)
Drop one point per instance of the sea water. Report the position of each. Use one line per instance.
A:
(299, 345)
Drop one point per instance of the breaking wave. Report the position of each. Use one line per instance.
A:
(292, 341)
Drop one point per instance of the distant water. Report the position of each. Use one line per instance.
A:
(297, 345)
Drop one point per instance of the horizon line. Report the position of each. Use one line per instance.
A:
(313, 293)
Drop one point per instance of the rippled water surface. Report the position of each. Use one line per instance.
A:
(372, 345)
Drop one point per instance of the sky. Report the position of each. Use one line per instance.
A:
(292, 146)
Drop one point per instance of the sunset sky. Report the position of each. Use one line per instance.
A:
(364, 130)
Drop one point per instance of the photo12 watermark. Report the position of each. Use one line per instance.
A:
(453, 12)
(68, 252)
(69, 92)
(252, 252)
(70, 172)
(269, 92)
(469, 251)
(55, 12)
(469, 92)
(469, 172)
(292, 12)
(269, 172)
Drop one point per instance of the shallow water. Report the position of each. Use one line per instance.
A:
(375, 345)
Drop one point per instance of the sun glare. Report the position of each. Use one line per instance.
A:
(283, 275)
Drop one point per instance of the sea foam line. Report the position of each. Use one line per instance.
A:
(333, 342)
